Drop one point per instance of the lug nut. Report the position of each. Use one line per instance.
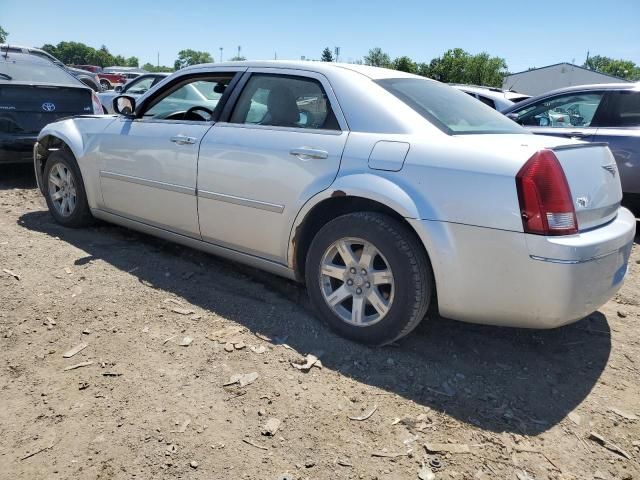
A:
(349, 282)
(368, 285)
(364, 272)
(358, 291)
(352, 270)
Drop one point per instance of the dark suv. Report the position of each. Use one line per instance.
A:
(595, 113)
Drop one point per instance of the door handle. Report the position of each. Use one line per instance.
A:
(183, 140)
(309, 153)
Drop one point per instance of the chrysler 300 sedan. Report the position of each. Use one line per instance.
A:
(388, 194)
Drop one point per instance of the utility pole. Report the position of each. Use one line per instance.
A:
(239, 50)
(275, 55)
(337, 50)
(221, 48)
(158, 65)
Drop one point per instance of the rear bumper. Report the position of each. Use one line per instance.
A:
(16, 149)
(514, 279)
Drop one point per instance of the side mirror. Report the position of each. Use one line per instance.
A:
(124, 105)
(118, 89)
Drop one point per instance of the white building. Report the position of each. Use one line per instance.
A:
(541, 80)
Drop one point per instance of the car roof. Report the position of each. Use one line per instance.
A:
(487, 91)
(374, 73)
(574, 88)
(596, 86)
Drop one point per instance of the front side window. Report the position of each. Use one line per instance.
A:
(451, 110)
(619, 109)
(572, 110)
(284, 101)
(193, 100)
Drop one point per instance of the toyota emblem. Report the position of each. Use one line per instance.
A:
(48, 107)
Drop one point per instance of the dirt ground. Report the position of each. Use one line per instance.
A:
(489, 403)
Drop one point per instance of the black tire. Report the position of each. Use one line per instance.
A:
(405, 256)
(105, 84)
(81, 215)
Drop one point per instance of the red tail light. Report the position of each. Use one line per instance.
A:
(545, 198)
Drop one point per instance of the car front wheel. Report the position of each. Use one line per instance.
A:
(369, 277)
(64, 190)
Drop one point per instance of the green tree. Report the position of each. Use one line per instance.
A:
(458, 66)
(190, 57)
(405, 64)
(154, 68)
(3, 35)
(619, 68)
(132, 62)
(485, 70)
(237, 59)
(327, 56)
(377, 58)
(450, 68)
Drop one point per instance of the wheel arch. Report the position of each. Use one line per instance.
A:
(50, 141)
(348, 195)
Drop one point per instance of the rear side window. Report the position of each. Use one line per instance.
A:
(487, 101)
(619, 109)
(284, 101)
(451, 110)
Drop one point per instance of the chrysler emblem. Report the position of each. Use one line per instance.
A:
(48, 107)
(611, 168)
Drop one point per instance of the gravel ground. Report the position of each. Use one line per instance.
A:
(461, 401)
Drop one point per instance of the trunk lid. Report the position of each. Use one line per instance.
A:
(26, 108)
(590, 169)
(594, 182)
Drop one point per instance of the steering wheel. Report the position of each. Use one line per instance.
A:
(198, 108)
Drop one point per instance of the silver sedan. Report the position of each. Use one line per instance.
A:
(389, 194)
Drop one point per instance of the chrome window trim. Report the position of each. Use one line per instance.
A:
(252, 126)
(149, 183)
(245, 202)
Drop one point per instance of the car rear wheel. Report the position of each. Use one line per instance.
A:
(64, 190)
(105, 84)
(369, 277)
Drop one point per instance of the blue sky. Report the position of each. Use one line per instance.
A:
(526, 34)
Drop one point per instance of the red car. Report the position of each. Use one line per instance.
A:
(107, 80)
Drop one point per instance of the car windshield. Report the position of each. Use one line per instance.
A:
(35, 72)
(451, 110)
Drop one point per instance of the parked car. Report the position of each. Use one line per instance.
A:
(386, 192)
(33, 93)
(494, 97)
(133, 88)
(91, 80)
(593, 113)
(107, 80)
(128, 72)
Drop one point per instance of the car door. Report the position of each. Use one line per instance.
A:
(281, 143)
(148, 169)
(566, 115)
(618, 122)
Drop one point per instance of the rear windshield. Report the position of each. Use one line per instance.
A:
(40, 72)
(451, 110)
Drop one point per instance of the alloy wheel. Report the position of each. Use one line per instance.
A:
(356, 281)
(62, 189)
